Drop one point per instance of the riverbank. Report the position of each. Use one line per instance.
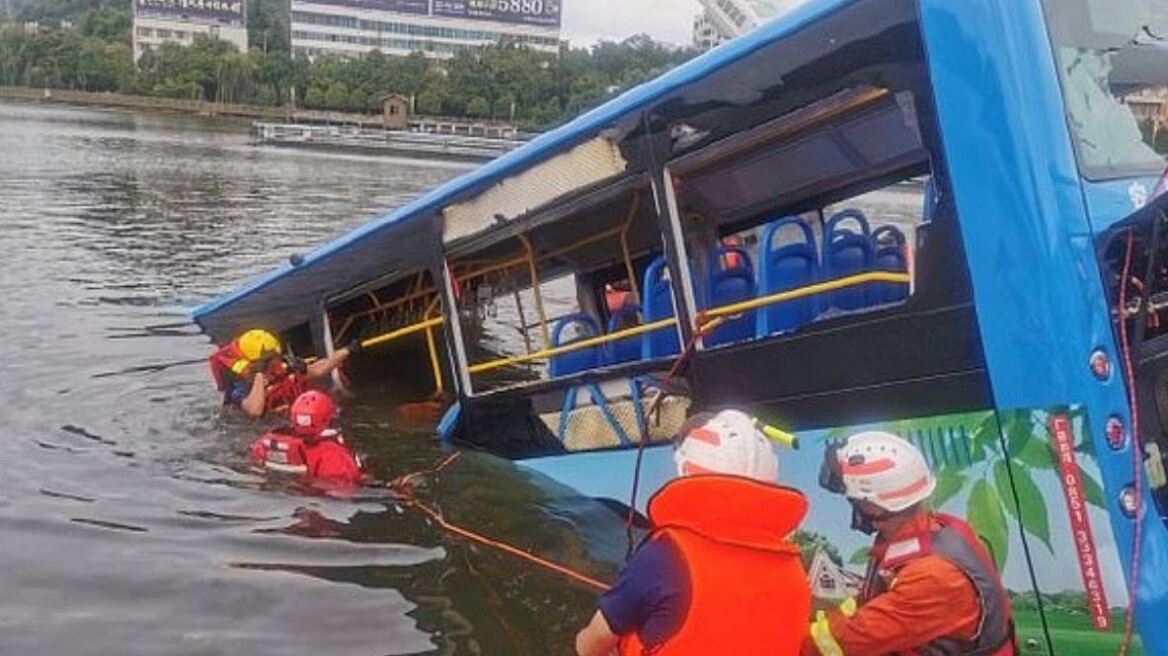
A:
(195, 107)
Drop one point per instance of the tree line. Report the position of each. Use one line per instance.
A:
(86, 45)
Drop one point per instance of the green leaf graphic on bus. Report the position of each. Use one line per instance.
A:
(1003, 466)
(988, 520)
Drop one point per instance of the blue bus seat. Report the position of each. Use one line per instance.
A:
(789, 266)
(730, 284)
(629, 348)
(888, 247)
(847, 253)
(582, 360)
(657, 296)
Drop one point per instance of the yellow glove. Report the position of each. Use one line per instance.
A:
(849, 607)
(821, 635)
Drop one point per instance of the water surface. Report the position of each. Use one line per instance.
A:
(130, 521)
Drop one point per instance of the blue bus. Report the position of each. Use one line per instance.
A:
(938, 218)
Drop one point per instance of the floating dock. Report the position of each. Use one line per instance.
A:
(382, 141)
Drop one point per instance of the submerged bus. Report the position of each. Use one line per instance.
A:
(937, 218)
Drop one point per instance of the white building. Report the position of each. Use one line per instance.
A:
(722, 20)
(178, 21)
(831, 582)
(705, 34)
(438, 28)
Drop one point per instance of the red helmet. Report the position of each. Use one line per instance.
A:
(312, 412)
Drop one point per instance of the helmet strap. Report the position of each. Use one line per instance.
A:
(866, 522)
(862, 521)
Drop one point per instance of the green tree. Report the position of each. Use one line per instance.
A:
(267, 25)
(315, 97)
(809, 542)
(85, 44)
(478, 107)
(337, 96)
(429, 103)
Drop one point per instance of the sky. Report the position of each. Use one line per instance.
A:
(588, 21)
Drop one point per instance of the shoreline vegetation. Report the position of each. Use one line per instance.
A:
(85, 46)
(113, 99)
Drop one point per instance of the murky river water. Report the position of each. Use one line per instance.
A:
(129, 520)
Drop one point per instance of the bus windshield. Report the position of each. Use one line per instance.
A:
(1112, 60)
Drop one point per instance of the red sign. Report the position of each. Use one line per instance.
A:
(1072, 480)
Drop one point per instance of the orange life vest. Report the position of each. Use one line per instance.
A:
(749, 594)
(284, 385)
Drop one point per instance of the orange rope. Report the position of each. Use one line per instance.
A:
(405, 480)
(451, 527)
(1136, 447)
(506, 548)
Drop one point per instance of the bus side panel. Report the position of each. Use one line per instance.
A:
(1040, 303)
(1048, 457)
(1003, 472)
(1000, 472)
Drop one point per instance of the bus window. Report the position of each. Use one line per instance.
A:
(404, 313)
(873, 232)
(1109, 53)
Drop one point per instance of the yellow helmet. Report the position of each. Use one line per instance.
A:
(255, 343)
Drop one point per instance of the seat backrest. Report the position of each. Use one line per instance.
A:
(783, 267)
(729, 279)
(888, 244)
(847, 251)
(657, 296)
(629, 348)
(582, 360)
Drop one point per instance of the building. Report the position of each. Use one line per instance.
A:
(705, 35)
(829, 581)
(437, 28)
(179, 21)
(395, 111)
(722, 20)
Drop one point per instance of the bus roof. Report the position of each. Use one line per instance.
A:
(292, 294)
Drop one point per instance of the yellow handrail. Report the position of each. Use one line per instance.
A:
(402, 332)
(810, 290)
(721, 311)
(435, 367)
(574, 346)
(533, 271)
(624, 240)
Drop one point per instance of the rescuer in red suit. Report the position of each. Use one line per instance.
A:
(310, 447)
(253, 374)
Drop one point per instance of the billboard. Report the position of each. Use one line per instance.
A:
(220, 11)
(419, 7)
(530, 12)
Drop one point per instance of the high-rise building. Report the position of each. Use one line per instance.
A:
(437, 28)
(179, 21)
(722, 20)
(705, 34)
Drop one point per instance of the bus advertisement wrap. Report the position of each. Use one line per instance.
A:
(529, 12)
(221, 11)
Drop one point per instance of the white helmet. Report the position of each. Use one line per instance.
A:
(885, 470)
(726, 443)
